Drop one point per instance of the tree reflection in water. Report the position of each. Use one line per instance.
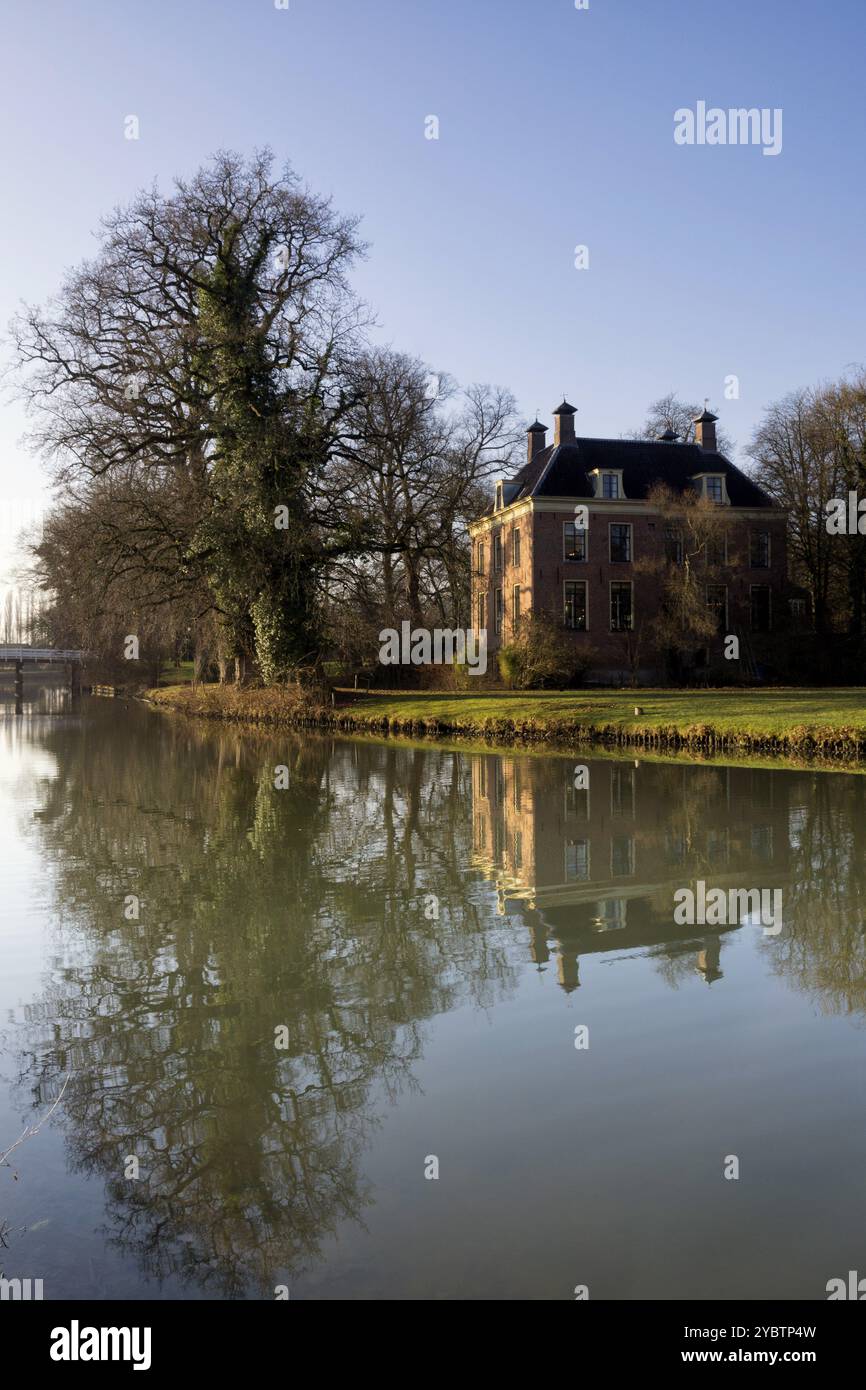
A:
(305, 908)
(258, 908)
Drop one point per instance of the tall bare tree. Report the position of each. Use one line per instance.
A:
(415, 462)
(199, 354)
(805, 453)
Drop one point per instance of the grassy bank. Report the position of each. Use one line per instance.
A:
(829, 723)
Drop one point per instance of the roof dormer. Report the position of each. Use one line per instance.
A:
(713, 487)
(607, 484)
(505, 494)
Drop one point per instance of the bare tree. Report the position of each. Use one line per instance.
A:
(689, 562)
(414, 464)
(796, 462)
(671, 413)
(198, 355)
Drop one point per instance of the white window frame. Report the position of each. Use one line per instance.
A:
(568, 808)
(769, 535)
(701, 478)
(599, 474)
(498, 611)
(574, 842)
(616, 774)
(724, 549)
(630, 871)
(585, 584)
(610, 584)
(720, 586)
(569, 559)
(611, 560)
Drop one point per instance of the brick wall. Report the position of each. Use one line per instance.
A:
(543, 571)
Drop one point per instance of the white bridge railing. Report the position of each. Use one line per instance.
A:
(39, 654)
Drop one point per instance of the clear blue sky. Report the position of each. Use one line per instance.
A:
(556, 129)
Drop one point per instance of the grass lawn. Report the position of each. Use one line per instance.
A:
(827, 723)
(759, 713)
(181, 674)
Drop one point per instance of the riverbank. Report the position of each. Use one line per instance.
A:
(829, 724)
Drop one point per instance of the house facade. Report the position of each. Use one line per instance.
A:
(577, 535)
(595, 868)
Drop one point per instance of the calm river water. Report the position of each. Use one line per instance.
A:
(284, 1008)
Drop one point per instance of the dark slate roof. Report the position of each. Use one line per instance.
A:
(644, 463)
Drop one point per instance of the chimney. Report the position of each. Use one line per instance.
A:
(536, 439)
(705, 430)
(563, 429)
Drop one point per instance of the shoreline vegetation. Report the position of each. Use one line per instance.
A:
(826, 726)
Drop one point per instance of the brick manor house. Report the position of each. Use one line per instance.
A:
(529, 555)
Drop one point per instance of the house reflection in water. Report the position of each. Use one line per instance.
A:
(595, 869)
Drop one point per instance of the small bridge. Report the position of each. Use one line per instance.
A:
(19, 658)
(10, 655)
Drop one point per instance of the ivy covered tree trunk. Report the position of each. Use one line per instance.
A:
(262, 546)
(286, 631)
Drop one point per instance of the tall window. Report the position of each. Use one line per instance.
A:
(497, 611)
(497, 552)
(610, 485)
(714, 488)
(620, 541)
(760, 608)
(576, 860)
(673, 545)
(717, 550)
(515, 546)
(515, 605)
(480, 557)
(798, 612)
(621, 615)
(717, 602)
(759, 550)
(573, 542)
(622, 791)
(621, 855)
(575, 605)
(482, 612)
